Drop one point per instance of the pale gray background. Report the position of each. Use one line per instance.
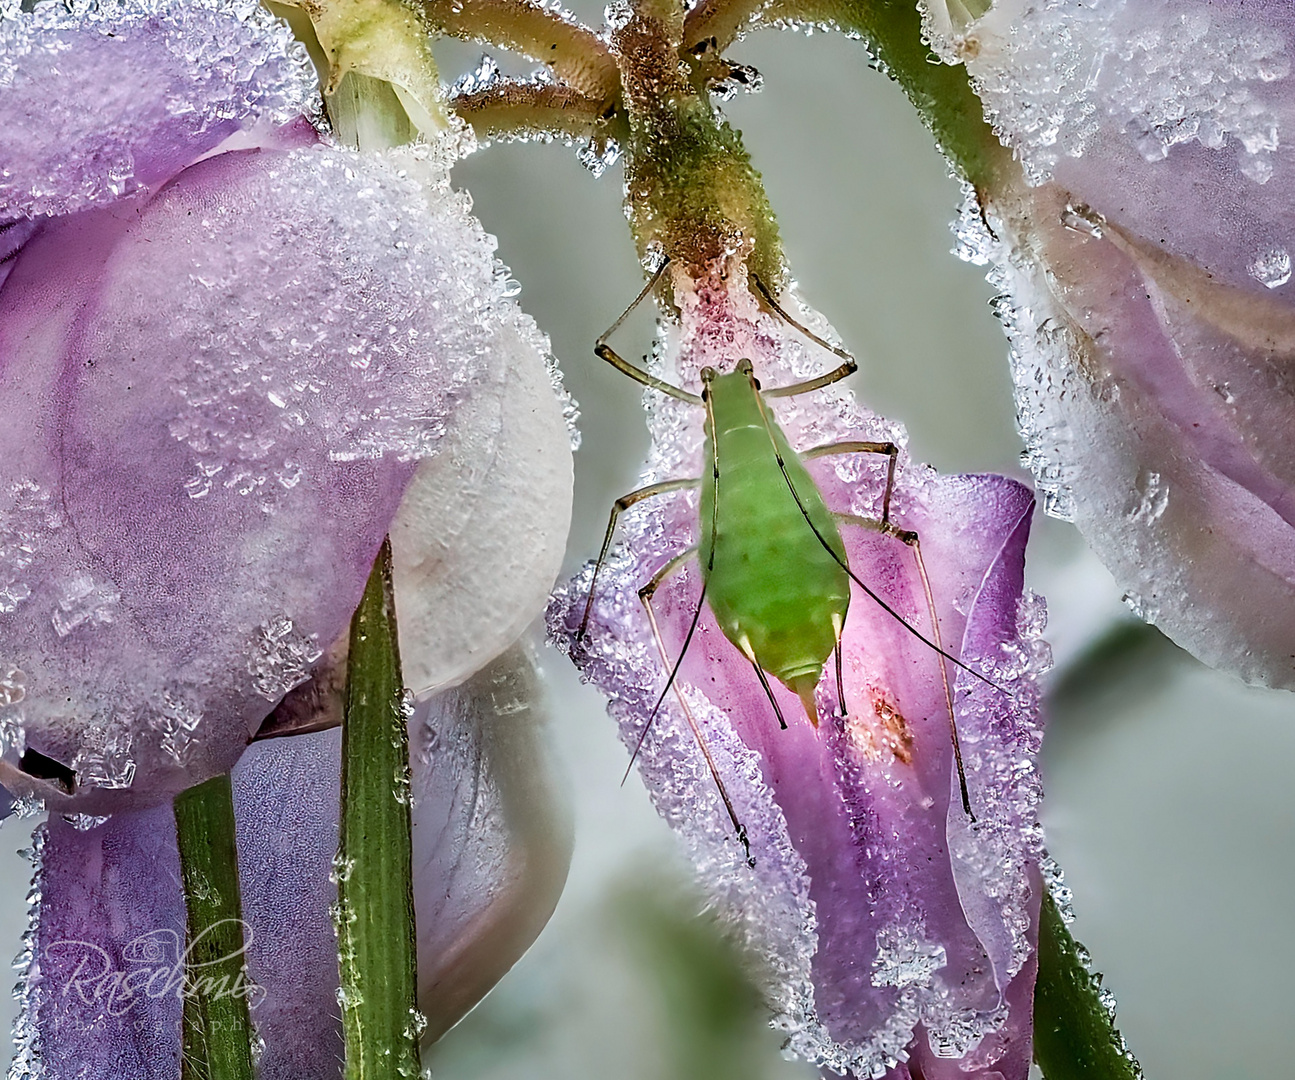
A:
(1169, 802)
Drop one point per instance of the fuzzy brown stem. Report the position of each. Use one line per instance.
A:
(513, 108)
(574, 53)
(722, 20)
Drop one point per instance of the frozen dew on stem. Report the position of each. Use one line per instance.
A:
(884, 925)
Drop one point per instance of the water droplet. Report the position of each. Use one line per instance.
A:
(1144, 609)
(1082, 218)
(1272, 267)
(13, 685)
(85, 603)
(342, 870)
(85, 822)
(905, 959)
(1153, 498)
(176, 721)
(105, 758)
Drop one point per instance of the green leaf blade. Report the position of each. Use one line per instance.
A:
(376, 944)
(1075, 1037)
(217, 1030)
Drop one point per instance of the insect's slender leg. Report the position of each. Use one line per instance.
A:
(645, 595)
(618, 507)
(749, 653)
(816, 383)
(768, 296)
(606, 352)
(854, 447)
(914, 542)
(643, 294)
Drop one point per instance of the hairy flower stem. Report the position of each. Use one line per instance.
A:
(517, 108)
(1074, 1032)
(574, 53)
(217, 1029)
(691, 191)
(375, 928)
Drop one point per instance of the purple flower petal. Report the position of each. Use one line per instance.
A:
(102, 987)
(286, 801)
(492, 841)
(99, 104)
(280, 365)
(1148, 301)
(491, 826)
(100, 995)
(877, 909)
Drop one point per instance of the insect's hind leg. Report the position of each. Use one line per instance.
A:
(645, 596)
(618, 507)
(911, 539)
(848, 446)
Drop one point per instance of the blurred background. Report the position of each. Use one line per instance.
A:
(1169, 796)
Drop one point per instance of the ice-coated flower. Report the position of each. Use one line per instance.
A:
(102, 975)
(233, 357)
(1144, 251)
(887, 927)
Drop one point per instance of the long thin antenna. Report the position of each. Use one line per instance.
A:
(944, 675)
(646, 596)
(652, 282)
(882, 603)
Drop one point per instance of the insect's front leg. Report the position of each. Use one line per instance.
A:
(619, 506)
(605, 352)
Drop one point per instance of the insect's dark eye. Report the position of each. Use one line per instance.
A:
(745, 366)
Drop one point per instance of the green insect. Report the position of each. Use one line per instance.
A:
(773, 565)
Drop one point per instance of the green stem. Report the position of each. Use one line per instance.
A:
(892, 30)
(373, 869)
(1075, 1037)
(217, 1028)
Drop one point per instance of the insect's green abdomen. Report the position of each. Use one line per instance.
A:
(771, 583)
